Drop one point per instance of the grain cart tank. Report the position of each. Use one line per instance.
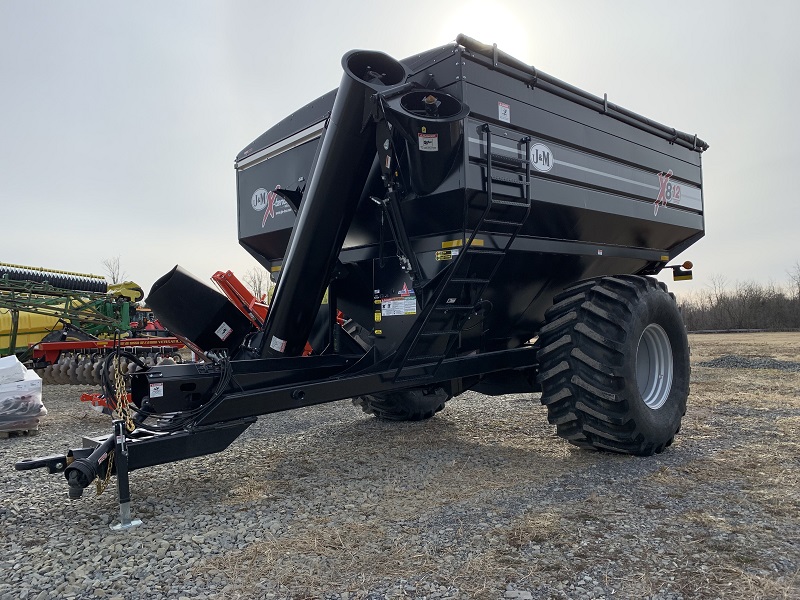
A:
(456, 220)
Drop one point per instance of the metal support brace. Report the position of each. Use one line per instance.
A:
(123, 486)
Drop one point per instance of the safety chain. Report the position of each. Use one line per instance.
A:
(102, 485)
(121, 411)
(122, 408)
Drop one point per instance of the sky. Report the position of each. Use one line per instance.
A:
(120, 122)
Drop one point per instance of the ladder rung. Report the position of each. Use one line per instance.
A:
(425, 358)
(490, 251)
(510, 203)
(412, 378)
(509, 180)
(502, 222)
(454, 307)
(514, 160)
(468, 280)
(449, 332)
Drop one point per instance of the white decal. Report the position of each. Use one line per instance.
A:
(504, 112)
(277, 344)
(156, 390)
(428, 142)
(541, 158)
(223, 331)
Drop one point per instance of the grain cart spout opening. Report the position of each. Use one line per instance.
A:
(457, 220)
(329, 203)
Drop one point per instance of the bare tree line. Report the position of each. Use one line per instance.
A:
(745, 305)
(114, 269)
(259, 282)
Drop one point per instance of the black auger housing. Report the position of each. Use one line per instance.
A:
(419, 222)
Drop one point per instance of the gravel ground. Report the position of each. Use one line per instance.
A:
(483, 501)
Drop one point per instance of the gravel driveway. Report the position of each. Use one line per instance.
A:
(482, 501)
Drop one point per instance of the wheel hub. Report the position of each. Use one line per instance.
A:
(654, 366)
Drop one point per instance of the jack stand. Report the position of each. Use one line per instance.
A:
(123, 486)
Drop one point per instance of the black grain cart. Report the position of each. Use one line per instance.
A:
(456, 220)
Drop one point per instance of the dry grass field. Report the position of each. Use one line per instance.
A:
(482, 501)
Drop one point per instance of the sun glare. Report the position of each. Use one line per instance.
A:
(491, 23)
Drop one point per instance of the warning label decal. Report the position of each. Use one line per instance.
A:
(223, 331)
(428, 142)
(446, 254)
(395, 302)
(504, 112)
(277, 344)
(395, 307)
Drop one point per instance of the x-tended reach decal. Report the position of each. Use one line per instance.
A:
(667, 191)
(270, 211)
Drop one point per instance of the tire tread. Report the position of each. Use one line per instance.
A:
(581, 359)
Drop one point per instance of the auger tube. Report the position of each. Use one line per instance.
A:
(328, 206)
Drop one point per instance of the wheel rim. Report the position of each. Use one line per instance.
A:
(654, 366)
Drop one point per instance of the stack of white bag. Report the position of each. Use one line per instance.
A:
(20, 396)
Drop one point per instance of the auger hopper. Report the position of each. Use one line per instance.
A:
(456, 220)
